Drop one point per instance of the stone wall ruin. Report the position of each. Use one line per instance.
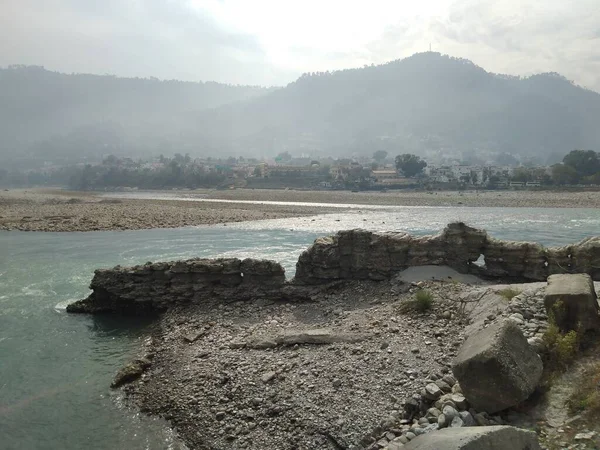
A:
(360, 254)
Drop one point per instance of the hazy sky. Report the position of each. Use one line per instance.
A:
(273, 41)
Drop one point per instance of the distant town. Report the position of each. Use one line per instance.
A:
(580, 168)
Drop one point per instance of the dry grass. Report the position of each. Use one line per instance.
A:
(586, 391)
(509, 293)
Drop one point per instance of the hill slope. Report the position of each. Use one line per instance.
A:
(427, 102)
(54, 115)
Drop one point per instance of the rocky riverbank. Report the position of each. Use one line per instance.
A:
(323, 373)
(337, 370)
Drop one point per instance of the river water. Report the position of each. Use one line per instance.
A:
(55, 368)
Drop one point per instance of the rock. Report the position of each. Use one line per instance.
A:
(467, 419)
(441, 421)
(445, 387)
(268, 376)
(537, 343)
(394, 445)
(433, 412)
(318, 336)
(449, 379)
(262, 344)
(459, 400)
(194, 336)
(572, 300)
(130, 372)
(450, 413)
(497, 368)
(432, 392)
(457, 422)
(586, 436)
(476, 438)
(481, 420)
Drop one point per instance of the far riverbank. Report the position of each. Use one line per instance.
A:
(61, 210)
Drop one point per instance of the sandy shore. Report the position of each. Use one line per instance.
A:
(59, 210)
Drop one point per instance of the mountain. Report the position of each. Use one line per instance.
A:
(426, 104)
(53, 115)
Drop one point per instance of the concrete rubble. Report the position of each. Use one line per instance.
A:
(497, 368)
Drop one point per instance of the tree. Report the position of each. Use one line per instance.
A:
(283, 157)
(521, 174)
(506, 159)
(585, 162)
(564, 174)
(380, 155)
(410, 165)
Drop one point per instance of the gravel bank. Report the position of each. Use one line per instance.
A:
(517, 199)
(220, 377)
(73, 211)
(57, 210)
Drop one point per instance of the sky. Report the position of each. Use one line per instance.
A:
(272, 42)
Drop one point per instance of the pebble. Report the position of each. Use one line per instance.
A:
(268, 376)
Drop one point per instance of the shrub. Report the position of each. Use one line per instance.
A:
(508, 293)
(422, 301)
(562, 348)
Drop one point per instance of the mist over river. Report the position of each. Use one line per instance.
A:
(55, 369)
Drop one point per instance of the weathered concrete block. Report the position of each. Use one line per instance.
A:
(476, 438)
(497, 368)
(572, 300)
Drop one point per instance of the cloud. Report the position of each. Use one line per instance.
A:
(273, 42)
(162, 38)
(514, 37)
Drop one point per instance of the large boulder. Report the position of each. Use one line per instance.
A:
(476, 438)
(572, 301)
(497, 368)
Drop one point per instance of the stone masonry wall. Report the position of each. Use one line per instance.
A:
(154, 287)
(353, 254)
(360, 254)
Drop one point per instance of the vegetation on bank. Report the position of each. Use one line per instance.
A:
(579, 167)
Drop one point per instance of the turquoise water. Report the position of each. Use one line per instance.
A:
(55, 368)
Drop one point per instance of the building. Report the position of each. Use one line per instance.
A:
(385, 176)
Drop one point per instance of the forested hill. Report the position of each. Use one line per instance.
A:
(52, 113)
(426, 102)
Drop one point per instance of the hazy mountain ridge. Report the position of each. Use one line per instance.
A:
(425, 103)
(40, 109)
(449, 102)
